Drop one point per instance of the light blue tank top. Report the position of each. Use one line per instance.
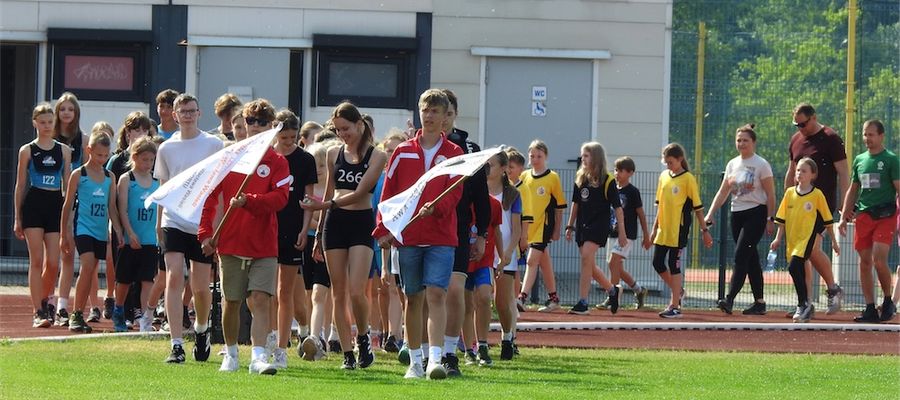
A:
(143, 220)
(46, 166)
(92, 218)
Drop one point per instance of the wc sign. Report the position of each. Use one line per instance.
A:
(538, 101)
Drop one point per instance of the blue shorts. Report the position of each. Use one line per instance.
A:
(479, 277)
(425, 266)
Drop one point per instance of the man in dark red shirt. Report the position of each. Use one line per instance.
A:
(825, 147)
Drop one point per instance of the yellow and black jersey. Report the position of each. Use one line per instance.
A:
(676, 198)
(804, 216)
(542, 195)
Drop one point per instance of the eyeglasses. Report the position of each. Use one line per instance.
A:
(257, 121)
(186, 113)
(802, 125)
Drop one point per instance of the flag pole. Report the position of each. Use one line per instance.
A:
(218, 231)
(441, 196)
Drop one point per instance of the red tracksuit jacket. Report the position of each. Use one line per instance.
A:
(406, 166)
(251, 230)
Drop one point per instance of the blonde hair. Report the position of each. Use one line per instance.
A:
(102, 126)
(597, 171)
(319, 150)
(539, 145)
(99, 138)
(394, 134)
(140, 145)
(41, 109)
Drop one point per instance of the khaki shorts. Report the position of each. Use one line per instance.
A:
(241, 276)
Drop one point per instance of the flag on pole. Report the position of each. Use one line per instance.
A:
(397, 211)
(186, 192)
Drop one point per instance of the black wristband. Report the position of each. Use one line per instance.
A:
(570, 227)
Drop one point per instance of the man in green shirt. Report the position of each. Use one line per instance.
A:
(875, 183)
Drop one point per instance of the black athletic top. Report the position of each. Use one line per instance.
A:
(630, 197)
(347, 175)
(594, 206)
(302, 166)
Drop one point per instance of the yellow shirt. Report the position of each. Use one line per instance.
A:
(803, 216)
(676, 197)
(541, 196)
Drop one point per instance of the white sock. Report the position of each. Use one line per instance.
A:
(148, 313)
(177, 341)
(62, 302)
(434, 355)
(450, 343)
(200, 328)
(416, 356)
(333, 335)
(303, 331)
(425, 346)
(637, 287)
(507, 335)
(259, 352)
(232, 350)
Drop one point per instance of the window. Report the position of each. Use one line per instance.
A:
(369, 71)
(99, 64)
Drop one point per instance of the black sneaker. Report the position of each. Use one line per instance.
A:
(62, 317)
(471, 357)
(94, 316)
(484, 357)
(580, 308)
(451, 364)
(390, 345)
(506, 350)
(50, 311)
(725, 305)
(108, 304)
(756, 309)
(176, 356)
(77, 324)
(888, 310)
(364, 347)
(202, 346)
(40, 319)
(334, 346)
(349, 361)
(614, 299)
(869, 315)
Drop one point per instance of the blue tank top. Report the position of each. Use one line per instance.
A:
(46, 166)
(143, 220)
(92, 216)
(347, 175)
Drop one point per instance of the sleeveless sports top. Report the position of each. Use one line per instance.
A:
(46, 166)
(76, 150)
(347, 175)
(143, 220)
(92, 216)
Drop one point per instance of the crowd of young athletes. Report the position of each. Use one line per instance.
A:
(307, 244)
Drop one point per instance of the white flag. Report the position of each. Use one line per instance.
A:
(186, 192)
(397, 211)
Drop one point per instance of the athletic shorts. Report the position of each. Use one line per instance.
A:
(177, 241)
(539, 246)
(240, 276)
(137, 265)
(314, 272)
(42, 209)
(347, 228)
(592, 235)
(428, 266)
(479, 277)
(89, 244)
(870, 230)
(612, 247)
(287, 253)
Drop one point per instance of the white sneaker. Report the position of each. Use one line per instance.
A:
(229, 364)
(271, 343)
(414, 371)
(436, 371)
(313, 350)
(260, 366)
(550, 306)
(279, 359)
(146, 322)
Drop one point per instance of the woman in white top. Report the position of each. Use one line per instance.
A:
(748, 180)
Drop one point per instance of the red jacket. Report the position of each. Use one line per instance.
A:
(251, 230)
(406, 166)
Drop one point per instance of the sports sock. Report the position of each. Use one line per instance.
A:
(450, 344)
(232, 350)
(507, 335)
(636, 288)
(200, 328)
(258, 352)
(482, 343)
(177, 341)
(553, 297)
(61, 303)
(415, 355)
(434, 354)
(333, 335)
(303, 331)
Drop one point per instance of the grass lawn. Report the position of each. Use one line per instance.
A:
(133, 368)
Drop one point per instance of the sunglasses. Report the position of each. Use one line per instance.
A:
(802, 125)
(257, 121)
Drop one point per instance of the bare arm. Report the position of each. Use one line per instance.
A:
(843, 172)
(789, 175)
(21, 177)
(721, 196)
(66, 233)
(559, 215)
(570, 226)
(113, 213)
(368, 181)
(123, 212)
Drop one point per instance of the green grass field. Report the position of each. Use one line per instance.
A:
(133, 368)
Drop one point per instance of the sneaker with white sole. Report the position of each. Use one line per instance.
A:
(671, 312)
(279, 359)
(806, 313)
(229, 363)
(261, 367)
(639, 297)
(146, 322)
(94, 315)
(835, 299)
(436, 371)
(271, 342)
(414, 371)
(549, 306)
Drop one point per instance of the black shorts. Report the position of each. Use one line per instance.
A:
(597, 236)
(177, 241)
(539, 246)
(347, 228)
(287, 253)
(42, 209)
(137, 265)
(314, 272)
(89, 244)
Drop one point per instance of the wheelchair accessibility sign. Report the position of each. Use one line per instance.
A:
(538, 109)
